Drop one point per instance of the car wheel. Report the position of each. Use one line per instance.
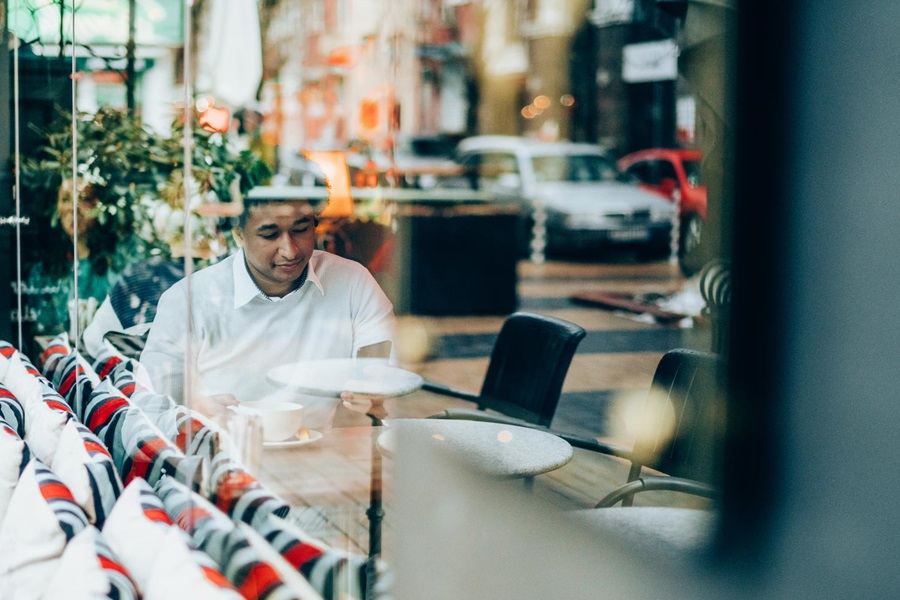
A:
(691, 238)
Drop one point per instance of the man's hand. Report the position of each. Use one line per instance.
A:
(213, 406)
(379, 350)
(368, 404)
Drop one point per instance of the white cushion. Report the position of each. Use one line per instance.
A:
(68, 464)
(43, 425)
(157, 553)
(78, 573)
(135, 539)
(11, 448)
(19, 381)
(74, 465)
(32, 537)
(176, 574)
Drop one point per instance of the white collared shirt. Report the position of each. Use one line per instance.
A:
(239, 334)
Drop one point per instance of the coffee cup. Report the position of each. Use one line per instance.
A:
(281, 421)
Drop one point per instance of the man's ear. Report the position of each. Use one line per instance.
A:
(238, 234)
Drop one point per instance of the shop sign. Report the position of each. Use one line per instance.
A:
(650, 61)
(611, 12)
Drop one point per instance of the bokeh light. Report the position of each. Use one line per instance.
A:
(647, 419)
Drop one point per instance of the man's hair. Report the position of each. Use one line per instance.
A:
(250, 203)
(315, 178)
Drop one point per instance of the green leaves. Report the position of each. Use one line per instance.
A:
(133, 170)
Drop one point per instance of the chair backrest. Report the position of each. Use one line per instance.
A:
(692, 383)
(528, 366)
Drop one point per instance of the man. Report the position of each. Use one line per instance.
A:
(276, 301)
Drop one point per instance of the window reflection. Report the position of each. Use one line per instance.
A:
(318, 229)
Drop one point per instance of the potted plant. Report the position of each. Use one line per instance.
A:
(130, 186)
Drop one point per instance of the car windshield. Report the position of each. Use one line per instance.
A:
(692, 172)
(574, 167)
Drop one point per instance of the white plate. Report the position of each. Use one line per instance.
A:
(372, 377)
(314, 436)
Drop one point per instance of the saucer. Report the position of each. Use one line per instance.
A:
(314, 436)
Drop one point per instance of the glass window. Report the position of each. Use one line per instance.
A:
(574, 168)
(692, 172)
(666, 170)
(175, 216)
(493, 165)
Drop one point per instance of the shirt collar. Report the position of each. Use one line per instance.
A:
(245, 288)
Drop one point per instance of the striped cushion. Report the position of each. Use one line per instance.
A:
(159, 408)
(46, 415)
(105, 362)
(89, 569)
(73, 383)
(42, 517)
(123, 376)
(160, 556)
(11, 411)
(14, 456)
(7, 350)
(86, 467)
(15, 376)
(27, 404)
(15, 452)
(240, 495)
(138, 448)
(178, 569)
(218, 536)
(53, 400)
(332, 573)
(58, 348)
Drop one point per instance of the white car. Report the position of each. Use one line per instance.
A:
(575, 189)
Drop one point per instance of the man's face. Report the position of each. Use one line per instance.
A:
(278, 240)
(87, 204)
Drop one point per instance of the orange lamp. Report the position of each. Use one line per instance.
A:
(215, 119)
(334, 165)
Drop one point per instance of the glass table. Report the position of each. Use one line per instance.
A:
(363, 384)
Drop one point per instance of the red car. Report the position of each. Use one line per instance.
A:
(668, 172)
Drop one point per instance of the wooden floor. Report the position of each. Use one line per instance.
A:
(615, 367)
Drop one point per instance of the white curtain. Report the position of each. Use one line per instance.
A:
(231, 59)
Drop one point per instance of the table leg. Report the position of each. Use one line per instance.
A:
(375, 513)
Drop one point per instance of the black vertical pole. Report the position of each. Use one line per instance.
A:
(651, 104)
(130, 58)
(7, 252)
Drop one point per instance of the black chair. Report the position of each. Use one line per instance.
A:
(528, 365)
(691, 381)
